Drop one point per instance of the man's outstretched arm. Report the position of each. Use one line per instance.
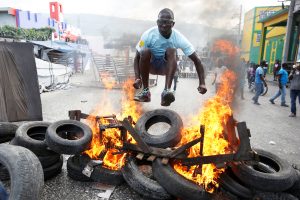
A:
(200, 71)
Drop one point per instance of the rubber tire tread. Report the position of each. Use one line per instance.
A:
(169, 138)
(25, 139)
(269, 182)
(47, 161)
(54, 169)
(74, 169)
(295, 189)
(7, 129)
(230, 182)
(274, 196)
(176, 184)
(65, 146)
(140, 183)
(22, 165)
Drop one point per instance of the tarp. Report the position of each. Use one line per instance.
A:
(56, 45)
(19, 90)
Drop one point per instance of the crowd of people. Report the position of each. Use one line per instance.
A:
(256, 76)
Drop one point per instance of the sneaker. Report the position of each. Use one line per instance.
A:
(167, 97)
(292, 115)
(256, 103)
(143, 96)
(137, 83)
(272, 101)
(284, 105)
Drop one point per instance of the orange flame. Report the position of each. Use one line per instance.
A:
(111, 138)
(108, 81)
(216, 112)
(226, 47)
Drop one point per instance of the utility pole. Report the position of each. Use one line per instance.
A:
(288, 33)
(239, 28)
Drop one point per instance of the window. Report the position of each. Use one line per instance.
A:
(28, 15)
(52, 8)
(35, 17)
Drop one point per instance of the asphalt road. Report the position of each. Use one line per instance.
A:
(271, 128)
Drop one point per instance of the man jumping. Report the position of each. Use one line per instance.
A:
(156, 54)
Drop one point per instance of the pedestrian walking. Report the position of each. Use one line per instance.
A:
(276, 69)
(156, 54)
(294, 78)
(282, 77)
(259, 83)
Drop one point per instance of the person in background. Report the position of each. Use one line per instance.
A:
(276, 69)
(294, 78)
(220, 69)
(265, 68)
(156, 54)
(282, 77)
(259, 83)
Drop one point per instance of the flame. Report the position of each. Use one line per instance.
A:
(108, 81)
(225, 47)
(216, 113)
(107, 146)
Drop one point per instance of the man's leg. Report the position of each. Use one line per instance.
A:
(258, 90)
(175, 82)
(283, 93)
(144, 66)
(171, 66)
(293, 96)
(278, 93)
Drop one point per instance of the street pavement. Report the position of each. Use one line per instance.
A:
(271, 128)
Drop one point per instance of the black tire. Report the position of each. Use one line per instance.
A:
(231, 183)
(176, 184)
(278, 181)
(75, 167)
(265, 91)
(100, 174)
(68, 137)
(167, 139)
(295, 189)
(7, 131)
(141, 183)
(274, 196)
(54, 169)
(4, 174)
(25, 170)
(47, 161)
(31, 135)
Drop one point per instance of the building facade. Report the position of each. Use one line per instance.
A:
(252, 34)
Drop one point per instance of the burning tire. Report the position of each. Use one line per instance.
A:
(68, 137)
(31, 135)
(231, 183)
(280, 178)
(7, 131)
(168, 139)
(176, 184)
(77, 163)
(22, 166)
(142, 180)
(75, 167)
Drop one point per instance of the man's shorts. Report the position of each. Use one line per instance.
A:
(158, 65)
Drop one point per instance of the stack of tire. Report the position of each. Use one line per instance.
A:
(269, 179)
(156, 180)
(31, 135)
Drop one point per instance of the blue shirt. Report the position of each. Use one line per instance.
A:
(258, 73)
(284, 76)
(153, 40)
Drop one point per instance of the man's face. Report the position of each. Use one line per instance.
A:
(165, 23)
